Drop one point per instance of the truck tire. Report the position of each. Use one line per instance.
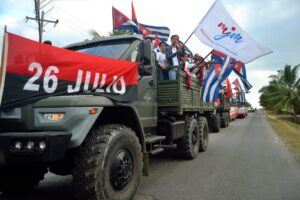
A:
(216, 123)
(14, 179)
(204, 134)
(188, 145)
(108, 164)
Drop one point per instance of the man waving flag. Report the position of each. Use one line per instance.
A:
(218, 73)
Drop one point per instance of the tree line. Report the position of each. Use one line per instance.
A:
(283, 91)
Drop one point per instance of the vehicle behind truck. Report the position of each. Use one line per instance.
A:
(103, 143)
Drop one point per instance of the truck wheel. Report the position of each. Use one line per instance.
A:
(204, 134)
(14, 179)
(188, 146)
(108, 164)
(216, 123)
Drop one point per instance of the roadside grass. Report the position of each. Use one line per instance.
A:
(289, 131)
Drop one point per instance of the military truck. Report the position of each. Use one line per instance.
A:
(104, 144)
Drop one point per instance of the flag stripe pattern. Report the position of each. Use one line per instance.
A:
(122, 22)
(216, 75)
(162, 32)
(240, 70)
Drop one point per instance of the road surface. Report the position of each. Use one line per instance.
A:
(245, 161)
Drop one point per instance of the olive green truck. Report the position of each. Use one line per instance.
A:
(107, 152)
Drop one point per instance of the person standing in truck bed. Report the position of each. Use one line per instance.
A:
(162, 62)
(173, 54)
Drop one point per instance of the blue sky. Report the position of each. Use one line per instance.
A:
(272, 23)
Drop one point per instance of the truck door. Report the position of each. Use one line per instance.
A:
(147, 88)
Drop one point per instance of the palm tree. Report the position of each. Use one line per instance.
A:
(283, 91)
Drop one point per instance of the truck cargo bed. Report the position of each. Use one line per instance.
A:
(174, 96)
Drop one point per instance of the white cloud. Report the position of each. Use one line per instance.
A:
(258, 78)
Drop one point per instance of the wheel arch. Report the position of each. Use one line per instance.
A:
(124, 115)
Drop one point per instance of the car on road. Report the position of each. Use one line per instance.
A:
(242, 112)
(250, 109)
(233, 113)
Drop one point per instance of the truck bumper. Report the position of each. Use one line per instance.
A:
(32, 147)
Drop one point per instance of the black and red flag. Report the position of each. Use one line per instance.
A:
(133, 15)
(32, 71)
(144, 31)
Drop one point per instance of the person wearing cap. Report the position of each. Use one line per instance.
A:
(173, 54)
(162, 62)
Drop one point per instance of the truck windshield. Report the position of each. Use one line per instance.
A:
(111, 50)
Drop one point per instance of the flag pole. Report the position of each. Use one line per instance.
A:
(208, 54)
(188, 38)
(3, 63)
(136, 22)
(113, 18)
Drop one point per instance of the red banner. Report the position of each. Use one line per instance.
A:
(35, 71)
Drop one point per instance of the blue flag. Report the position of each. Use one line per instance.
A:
(216, 75)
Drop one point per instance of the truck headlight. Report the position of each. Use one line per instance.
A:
(42, 146)
(54, 116)
(18, 145)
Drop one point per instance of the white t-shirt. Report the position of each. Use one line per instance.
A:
(175, 59)
(161, 59)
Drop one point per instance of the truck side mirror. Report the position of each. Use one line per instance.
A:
(145, 68)
(148, 49)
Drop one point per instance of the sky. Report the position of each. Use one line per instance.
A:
(272, 23)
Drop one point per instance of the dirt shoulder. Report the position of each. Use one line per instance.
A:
(286, 129)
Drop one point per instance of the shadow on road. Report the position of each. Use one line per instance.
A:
(53, 187)
(59, 187)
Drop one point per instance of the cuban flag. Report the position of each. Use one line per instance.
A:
(162, 32)
(239, 90)
(122, 22)
(240, 70)
(217, 74)
(142, 29)
(241, 97)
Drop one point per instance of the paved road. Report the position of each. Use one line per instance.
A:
(245, 161)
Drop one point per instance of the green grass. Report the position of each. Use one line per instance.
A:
(289, 131)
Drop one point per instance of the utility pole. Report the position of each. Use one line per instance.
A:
(39, 17)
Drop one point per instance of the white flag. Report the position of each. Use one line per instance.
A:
(219, 31)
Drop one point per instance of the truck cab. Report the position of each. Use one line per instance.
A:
(103, 143)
